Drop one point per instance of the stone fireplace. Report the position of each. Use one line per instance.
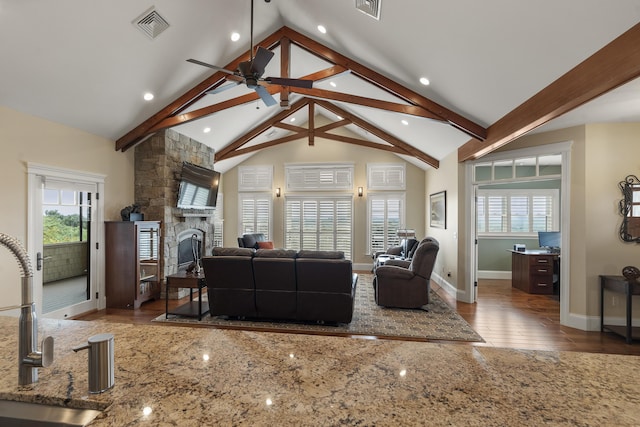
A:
(158, 164)
(189, 247)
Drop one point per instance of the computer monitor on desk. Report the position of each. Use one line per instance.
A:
(549, 240)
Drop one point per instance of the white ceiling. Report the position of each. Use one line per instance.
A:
(85, 65)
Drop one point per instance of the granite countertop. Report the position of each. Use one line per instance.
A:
(199, 376)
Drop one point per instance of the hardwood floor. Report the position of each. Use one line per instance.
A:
(503, 316)
(511, 318)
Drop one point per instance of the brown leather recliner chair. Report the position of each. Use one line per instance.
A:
(407, 287)
(399, 251)
(250, 240)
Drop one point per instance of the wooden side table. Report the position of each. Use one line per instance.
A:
(620, 284)
(182, 279)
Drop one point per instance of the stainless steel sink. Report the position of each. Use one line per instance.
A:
(23, 414)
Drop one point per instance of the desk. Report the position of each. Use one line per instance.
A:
(182, 279)
(533, 271)
(621, 285)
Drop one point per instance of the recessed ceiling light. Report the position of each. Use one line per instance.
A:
(293, 119)
(339, 118)
(235, 36)
(424, 81)
(148, 96)
(322, 29)
(206, 130)
(404, 122)
(333, 84)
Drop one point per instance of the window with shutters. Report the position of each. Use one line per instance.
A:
(218, 222)
(517, 212)
(255, 213)
(319, 177)
(386, 176)
(385, 215)
(255, 185)
(319, 223)
(255, 178)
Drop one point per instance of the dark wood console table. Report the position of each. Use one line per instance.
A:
(620, 284)
(182, 279)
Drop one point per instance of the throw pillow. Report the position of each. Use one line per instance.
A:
(265, 245)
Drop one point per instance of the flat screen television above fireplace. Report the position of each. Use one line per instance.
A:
(198, 187)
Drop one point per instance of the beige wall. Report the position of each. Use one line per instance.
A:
(25, 139)
(602, 155)
(613, 152)
(324, 151)
(445, 178)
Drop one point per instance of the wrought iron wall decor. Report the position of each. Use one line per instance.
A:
(630, 209)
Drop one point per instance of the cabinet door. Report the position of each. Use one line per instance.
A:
(120, 263)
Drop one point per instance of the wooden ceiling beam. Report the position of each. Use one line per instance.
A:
(241, 100)
(285, 66)
(258, 147)
(362, 142)
(333, 125)
(377, 79)
(612, 66)
(374, 130)
(239, 142)
(413, 110)
(190, 97)
(311, 123)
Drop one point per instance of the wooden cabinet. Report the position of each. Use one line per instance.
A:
(533, 272)
(132, 262)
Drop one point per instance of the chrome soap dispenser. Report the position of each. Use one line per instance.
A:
(101, 362)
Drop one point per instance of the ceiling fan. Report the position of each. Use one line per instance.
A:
(250, 73)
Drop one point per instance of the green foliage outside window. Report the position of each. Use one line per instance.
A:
(59, 228)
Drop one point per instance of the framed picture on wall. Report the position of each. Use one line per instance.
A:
(438, 210)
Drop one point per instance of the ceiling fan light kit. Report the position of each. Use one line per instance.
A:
(250, 73)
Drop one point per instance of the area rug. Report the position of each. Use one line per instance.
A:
(436, 321)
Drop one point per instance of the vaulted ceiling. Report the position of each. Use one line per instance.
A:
(497, 69)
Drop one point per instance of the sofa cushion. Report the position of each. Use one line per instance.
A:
(265, 245)
(220, 251)
(321, 254)
(275, 253)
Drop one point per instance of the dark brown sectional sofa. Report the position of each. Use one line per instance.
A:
(280, 284)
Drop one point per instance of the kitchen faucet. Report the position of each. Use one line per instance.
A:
(29, 358)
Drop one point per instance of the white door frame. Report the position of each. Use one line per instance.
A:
(37, 174)
(564, 148)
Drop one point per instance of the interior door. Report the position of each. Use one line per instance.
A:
(65, 256)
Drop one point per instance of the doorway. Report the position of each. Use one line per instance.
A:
(539, 164)
(64, 240)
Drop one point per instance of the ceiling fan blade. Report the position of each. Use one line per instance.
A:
(265, 96)
(222, 88)
(204, 64)
(262, 58)
(283, 81)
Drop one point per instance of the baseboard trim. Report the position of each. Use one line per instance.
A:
(494, 274)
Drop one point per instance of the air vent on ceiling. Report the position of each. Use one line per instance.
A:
(151, 23)
(370, 7)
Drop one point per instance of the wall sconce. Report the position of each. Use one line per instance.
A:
(360, 191)
(278, 192)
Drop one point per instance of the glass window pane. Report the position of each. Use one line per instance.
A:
(550, 165)
(67, 198)
(503, 169)
(525, 167)
(482, 172)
